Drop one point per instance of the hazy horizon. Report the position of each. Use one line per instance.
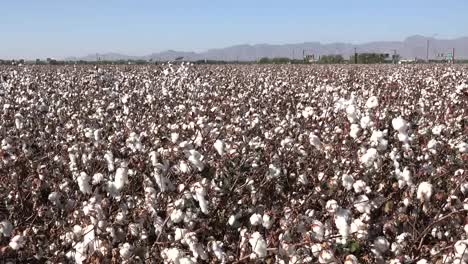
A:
(51, 28)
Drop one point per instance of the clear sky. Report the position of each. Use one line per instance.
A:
(59, 28)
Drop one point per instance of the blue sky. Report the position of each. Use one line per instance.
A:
(60, 28)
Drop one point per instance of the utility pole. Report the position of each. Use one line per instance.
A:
(355, 55)
(427, 51)
(394, 56)
(293, 55)
(453, 55)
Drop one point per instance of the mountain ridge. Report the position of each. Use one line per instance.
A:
(414, 46)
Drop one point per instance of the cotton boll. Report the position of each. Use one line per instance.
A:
(422, 261)
(424, 191)
(326, 256)
(362, 204)
(437, 130)
(126, 251)
(17, 242)
(369, 157)
(331, 206)
(217, 248)
(359, 186)
(83, 183)
(267, 221)
(317, 230)
(179, 233)
(177, 216)
(354, 132)
(97, 178)
(196, 159)
(174, 137)
(461, 249)
(5, 228)
(220, 147)
(342, 223)
(462, 147)
(121, 178)
(381, 245)
(400, 125)
(372, 102)
(351, 259)
(255, 219)
(366, 122)
(184, 167)
(347, 181)
(258, 245)
(315, 141)
(109, 157)
(273, 171)
(200, 194)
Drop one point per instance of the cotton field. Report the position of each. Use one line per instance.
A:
(234, 164)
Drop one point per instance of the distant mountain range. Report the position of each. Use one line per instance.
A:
(411, 47)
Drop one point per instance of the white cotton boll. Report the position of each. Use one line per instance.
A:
(424, 191)
(97, 178)
(354, 132)
(432, 144)
(184, 167)
(359, 186)
(381, 245)
(400, 125)
(154, 158)
(347, 181)
(302, 179)
(126, 251)
(317, 230)
(273, 171)
(326, 256)
(331, 206)
(369, 157)
(121, 178)
(173, 255)
(109, 157)
(177, 216)
(437, 130)
(255, 219)
(461, 249)
(232, 220)
(217, 248)
(342, 223)
(462, 147)
(196, 159)
(179, 233)
(406, 176)
(377, 140)
(258, 244)
(220, 147)
(372, 102)
(315, 141)
(351, 113)
(351, 259)
(17, 242)
(200, 194)
(307, 112)
(19, 121)
(174, 137)
(362, 204)
(422, 261)
(359, 229)
(83, 183)
(267, 221)
(464, 188)
(366, 122)
(6, 228)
